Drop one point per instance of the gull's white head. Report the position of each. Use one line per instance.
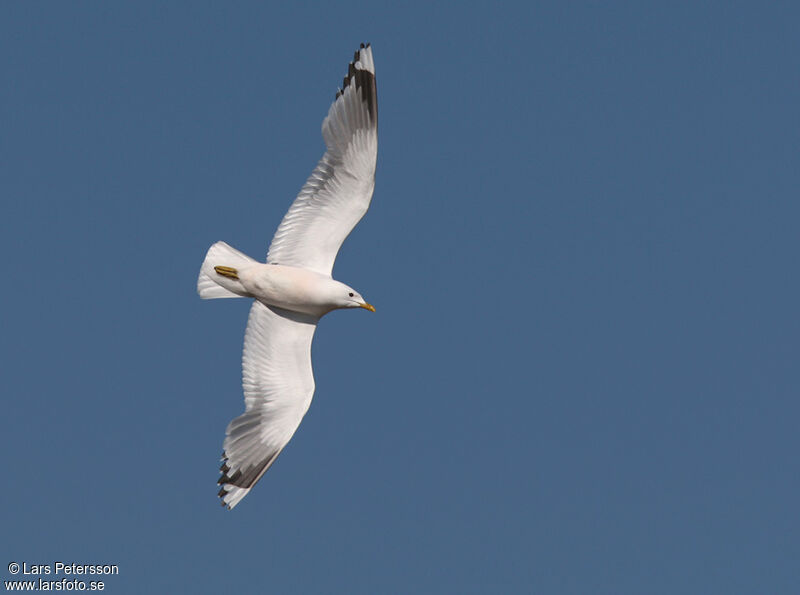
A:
(347, 297)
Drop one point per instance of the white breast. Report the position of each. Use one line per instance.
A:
(290, 288)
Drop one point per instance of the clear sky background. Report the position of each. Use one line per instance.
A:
(582, 376)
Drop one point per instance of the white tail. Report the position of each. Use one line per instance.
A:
(210, 285)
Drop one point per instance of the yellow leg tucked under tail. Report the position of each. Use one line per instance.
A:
(230, 272)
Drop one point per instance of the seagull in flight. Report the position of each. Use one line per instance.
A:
(294, 288)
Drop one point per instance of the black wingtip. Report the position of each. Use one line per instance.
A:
(364, 80)
(225, 478)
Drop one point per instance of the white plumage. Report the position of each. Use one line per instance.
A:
(295, 288)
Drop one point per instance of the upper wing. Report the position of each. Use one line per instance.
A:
(339, 190)
(278, 386)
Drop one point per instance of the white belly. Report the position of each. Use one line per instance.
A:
(290, 288)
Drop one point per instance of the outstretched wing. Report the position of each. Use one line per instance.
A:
(278, 385)
(339, 190)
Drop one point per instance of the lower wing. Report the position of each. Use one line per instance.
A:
(278, 386)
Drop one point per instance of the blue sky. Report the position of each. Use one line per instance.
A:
(582, 373)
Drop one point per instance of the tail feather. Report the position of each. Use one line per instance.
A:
(211, 285)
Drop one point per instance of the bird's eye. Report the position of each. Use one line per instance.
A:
(351, 294)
